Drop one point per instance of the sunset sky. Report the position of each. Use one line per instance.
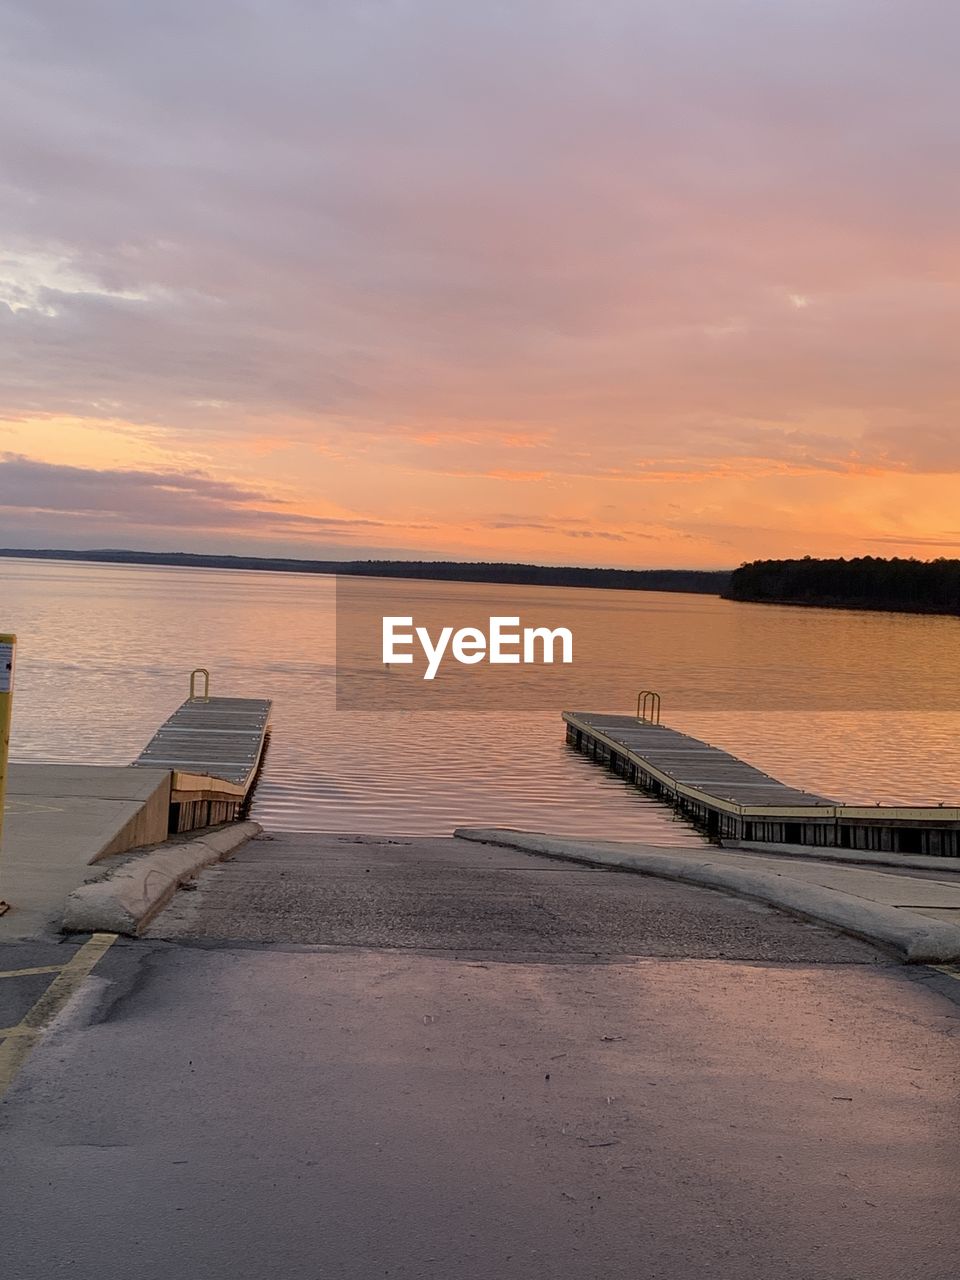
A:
(615, 282)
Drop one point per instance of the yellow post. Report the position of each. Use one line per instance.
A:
(8, 651)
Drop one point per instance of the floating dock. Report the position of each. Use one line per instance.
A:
(730, 799)
(213, 748)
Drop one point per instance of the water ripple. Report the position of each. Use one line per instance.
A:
(104, 652)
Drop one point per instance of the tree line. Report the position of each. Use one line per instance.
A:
(707, 582)
(867, 582)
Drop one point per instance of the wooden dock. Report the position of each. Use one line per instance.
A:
(730, 799)
(213, 748)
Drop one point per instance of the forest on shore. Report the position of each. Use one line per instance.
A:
(868, 582)
(703, 582)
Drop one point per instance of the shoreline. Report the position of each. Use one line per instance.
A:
(846, 607)
(420, 571)
(481, 573)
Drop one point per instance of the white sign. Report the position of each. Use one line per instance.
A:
(6, 668)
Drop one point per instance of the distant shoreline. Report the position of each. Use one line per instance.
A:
(867, 584)
(693, 581)
(851, 606)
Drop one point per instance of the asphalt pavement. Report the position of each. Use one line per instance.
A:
(350, 1059)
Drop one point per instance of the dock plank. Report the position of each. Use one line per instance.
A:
(221, 738)
(213, 748)
(688, 762)
(733, 799)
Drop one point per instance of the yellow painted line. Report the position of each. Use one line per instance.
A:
(951, 970)
(24, 973)
(24, 808)
(19, 1040)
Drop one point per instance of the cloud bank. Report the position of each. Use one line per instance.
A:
(688, 273)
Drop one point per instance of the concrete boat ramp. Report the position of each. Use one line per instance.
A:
(61, 819)
(198, 771)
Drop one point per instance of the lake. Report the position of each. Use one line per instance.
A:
(863, 707)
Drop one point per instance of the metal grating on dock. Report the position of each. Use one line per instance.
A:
(689, 763)
(732, 799)
(222, 738)
(213, 747)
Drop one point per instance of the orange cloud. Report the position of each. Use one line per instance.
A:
(706, 289)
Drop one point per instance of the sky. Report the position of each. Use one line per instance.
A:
(626, 283)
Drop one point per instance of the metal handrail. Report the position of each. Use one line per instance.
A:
(650, 704)
(200, 671)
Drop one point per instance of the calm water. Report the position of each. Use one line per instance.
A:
(104, 653)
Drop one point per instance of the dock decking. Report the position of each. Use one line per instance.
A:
(731, 799)
(213, 748)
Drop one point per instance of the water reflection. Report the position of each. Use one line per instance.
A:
(105, 651)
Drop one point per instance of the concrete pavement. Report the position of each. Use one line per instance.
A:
(926, 892)
(60, 819)
(914, 913)
(459, 1062)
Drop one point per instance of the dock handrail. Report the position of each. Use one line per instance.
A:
(650, 704)
(200, 671)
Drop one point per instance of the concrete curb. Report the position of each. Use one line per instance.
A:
(128, 898)
(918, 939)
